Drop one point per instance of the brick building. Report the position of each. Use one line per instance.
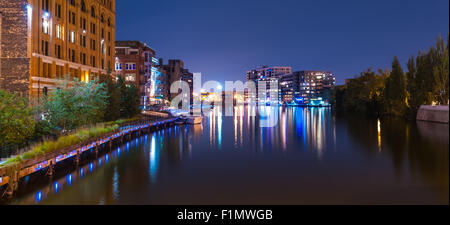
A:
(43, 41)
(136, 63)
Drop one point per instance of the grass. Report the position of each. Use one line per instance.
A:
(77, 137)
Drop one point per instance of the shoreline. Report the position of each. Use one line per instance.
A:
(10, 176)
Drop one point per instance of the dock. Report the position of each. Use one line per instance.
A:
(9, 177)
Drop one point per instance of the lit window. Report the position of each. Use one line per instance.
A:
(59, 32)
(130, 66)
(118, 66)
(130, 77)
(72, 36)
(45, 26)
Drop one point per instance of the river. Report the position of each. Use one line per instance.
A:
(309, 157)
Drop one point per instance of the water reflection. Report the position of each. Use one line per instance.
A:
(309, 157)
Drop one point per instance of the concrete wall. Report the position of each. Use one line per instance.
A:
(437, 114)
(14, 62)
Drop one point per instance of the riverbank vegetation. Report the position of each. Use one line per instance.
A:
(63, 112)
(395, 92)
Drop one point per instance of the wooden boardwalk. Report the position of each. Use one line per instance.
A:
(48, 161)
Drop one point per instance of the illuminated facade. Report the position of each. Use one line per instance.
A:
(48, 40)
(307, 87)
(269, 75)
(136, 63)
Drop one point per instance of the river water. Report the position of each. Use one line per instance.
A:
(309, 157)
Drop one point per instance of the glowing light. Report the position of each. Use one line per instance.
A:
(154, 157)
(379, 134)
(29, 12)
(56, 187)
(69, 179)
(38, 196)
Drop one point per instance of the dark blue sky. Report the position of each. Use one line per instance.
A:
(223, 39)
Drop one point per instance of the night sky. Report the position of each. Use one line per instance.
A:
(223, 39)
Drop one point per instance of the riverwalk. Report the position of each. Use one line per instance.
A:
(10, 176)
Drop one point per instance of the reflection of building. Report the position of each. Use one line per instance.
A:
(307, 87)
(136, 63)
(43, 41)
(175, 71)
(267, 74)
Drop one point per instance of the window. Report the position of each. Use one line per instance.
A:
(93, 11)
(83, 41)
(59, 32)
(118, 66)
(45, 26)
(130, 66)
(45, 4)
(83, 23)
(73, 55)
(45, 47)
(72, 37)
(83, 6)
(92, 44)
(93, 28)
(83, 58)
(58, 10)
(93, 61)
(71, 17)
(130, 77)
(58, 51)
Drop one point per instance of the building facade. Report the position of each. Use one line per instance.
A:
(136, 63)
(175, 71)
(44, 41)
(307, 87)
(268, 75)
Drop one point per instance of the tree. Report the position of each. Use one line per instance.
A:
(129, 100)
(132, 102)
(16, 119)
(440, 72)
(122, 89)
(395, 90)
(70, 107)
(112, 111)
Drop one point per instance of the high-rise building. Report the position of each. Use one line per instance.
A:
(307, 87)
(136, 62)
(268, 75)
(43, 41)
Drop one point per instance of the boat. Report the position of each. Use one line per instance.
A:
(194, 120)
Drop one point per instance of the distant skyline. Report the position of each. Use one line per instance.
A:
(223, 39)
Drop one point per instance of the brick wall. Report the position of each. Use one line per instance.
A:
(14, 63)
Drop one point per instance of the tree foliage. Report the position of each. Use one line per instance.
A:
(75, 105)
(16, 119)
(364, 94)
(129, 100)
(112, 110)
(395, 90)
(425, 82)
